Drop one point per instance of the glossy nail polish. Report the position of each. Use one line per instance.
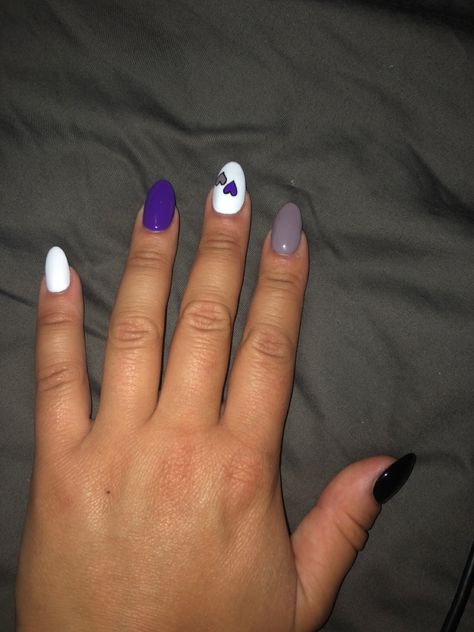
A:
(57, 273)
(393, 478)
(286, 229)
(159, 206)
(229, 189)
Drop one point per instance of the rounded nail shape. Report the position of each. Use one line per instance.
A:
(57, 273)
(159, 206)
(393, 478)
(229, 189)
(286, 229)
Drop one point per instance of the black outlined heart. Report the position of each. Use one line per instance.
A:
(231, 188)
(221, 178)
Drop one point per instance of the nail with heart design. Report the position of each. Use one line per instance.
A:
(229, 191)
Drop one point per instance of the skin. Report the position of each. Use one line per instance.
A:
(166, 512)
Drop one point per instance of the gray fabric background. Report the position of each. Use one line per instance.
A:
(362, 113)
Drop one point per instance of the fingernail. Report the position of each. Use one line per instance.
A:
(394, 478)
(57, 273)
(229, 189)
(286, 229)
(159, 206)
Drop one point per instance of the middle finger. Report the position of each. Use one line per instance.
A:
(199, 352)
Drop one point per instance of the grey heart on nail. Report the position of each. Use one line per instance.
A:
(221, 179)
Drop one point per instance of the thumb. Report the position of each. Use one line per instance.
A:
(329, 538)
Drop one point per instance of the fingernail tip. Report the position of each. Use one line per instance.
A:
(410, 459)
(57, 271)
(393, 478)
(55, 251)
(232, 163)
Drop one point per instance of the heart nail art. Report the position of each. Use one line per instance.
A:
(228, 195)
(231, 188)
(221, 179)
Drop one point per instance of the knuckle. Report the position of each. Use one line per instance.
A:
(270, 343)
(56, 320)
(245, 476)
(180, 470)
(148, 259)
(134, 331)
(351, 530)
(206, 316)
(244, 470)
(284, 281)
(58, 377)
(221, 245)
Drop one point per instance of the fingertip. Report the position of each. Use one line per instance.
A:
(303, 245)
(361, 477)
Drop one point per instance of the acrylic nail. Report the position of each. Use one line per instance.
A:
(159, 206)
(229, 189)
(286, 229)
(57, 273)
(393, 478)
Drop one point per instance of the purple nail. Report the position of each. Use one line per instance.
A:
(286, 229)
(159, 206)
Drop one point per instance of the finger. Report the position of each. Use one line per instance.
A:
(135, 341)
(327, 541)
(62, 386)
(262, 376)
(199, 352)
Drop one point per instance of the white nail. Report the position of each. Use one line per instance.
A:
(229, 189)
(58, 275)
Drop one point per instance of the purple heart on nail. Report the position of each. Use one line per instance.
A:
(221, 179)
(231, 188)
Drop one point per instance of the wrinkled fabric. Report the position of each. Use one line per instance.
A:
(359, 112)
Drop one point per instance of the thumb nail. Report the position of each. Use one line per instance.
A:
(393, 478)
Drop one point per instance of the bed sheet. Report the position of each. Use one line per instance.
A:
(362, 114)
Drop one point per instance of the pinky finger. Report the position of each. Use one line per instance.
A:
(62, 386)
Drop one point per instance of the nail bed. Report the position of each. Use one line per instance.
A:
(228, 195)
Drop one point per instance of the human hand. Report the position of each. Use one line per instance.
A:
(166, 513)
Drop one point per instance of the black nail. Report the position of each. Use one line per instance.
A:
(394, 478)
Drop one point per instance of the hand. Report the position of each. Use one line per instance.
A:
(165, 513)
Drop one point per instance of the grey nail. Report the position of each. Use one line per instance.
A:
(286, 229)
